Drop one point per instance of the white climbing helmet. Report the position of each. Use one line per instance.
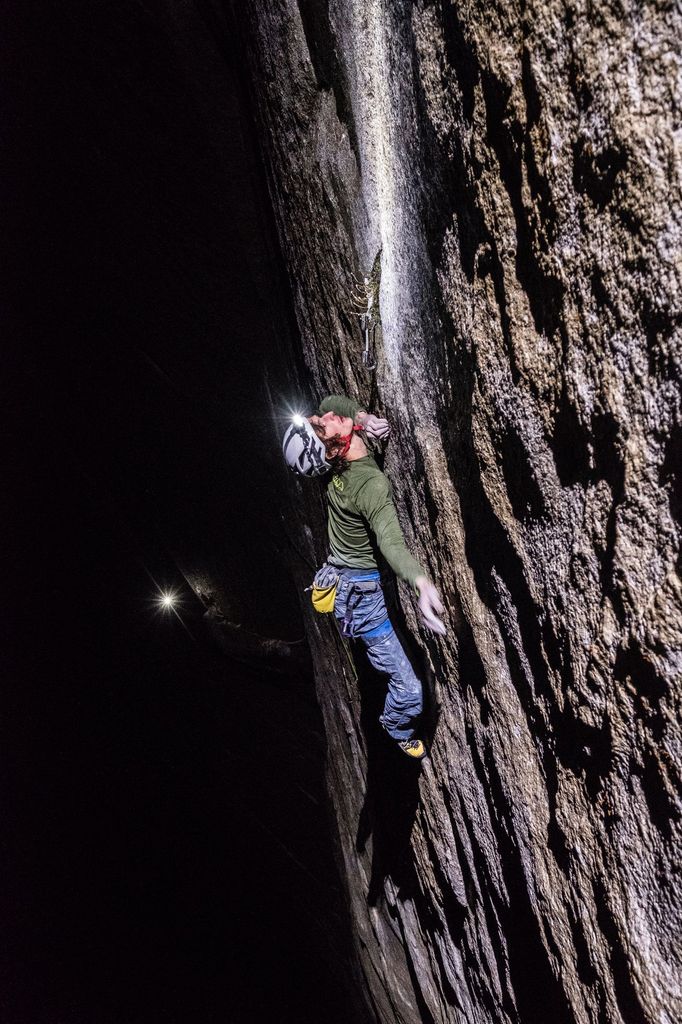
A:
(303, 450)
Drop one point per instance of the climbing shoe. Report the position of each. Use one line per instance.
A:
(413, 748)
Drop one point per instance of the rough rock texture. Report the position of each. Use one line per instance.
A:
(518, 166)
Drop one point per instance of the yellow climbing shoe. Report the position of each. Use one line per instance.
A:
(413, 748)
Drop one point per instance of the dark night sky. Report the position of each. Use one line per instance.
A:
(160, 861)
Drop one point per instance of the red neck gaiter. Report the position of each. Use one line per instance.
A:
(345, 441)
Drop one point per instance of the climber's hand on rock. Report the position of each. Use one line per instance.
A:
(430, 605)
(373, 426)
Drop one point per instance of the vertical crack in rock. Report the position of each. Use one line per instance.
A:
(517, 165)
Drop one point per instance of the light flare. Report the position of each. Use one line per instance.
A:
(167, 600)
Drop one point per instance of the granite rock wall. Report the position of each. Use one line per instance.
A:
(517, 166)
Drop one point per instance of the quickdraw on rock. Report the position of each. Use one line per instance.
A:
(365, 305)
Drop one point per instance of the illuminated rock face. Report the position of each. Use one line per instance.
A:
(516, 166)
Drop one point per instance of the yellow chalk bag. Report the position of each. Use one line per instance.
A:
(323, 598)
(323, 590)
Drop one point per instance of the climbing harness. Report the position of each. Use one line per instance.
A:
(324, 592)
(357, 590)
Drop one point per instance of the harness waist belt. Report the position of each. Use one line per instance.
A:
(348, 572)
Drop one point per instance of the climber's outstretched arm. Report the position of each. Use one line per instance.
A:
(375, 503)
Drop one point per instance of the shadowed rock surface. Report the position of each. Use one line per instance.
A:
(166, 857)
(516, 164)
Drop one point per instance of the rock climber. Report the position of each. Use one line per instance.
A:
(363, 525)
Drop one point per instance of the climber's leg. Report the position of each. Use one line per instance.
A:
(360, 609)
(404, 700)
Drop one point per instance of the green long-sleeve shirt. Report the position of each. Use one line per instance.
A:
(362, 519)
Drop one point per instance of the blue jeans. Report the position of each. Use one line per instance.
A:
(360, 610)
